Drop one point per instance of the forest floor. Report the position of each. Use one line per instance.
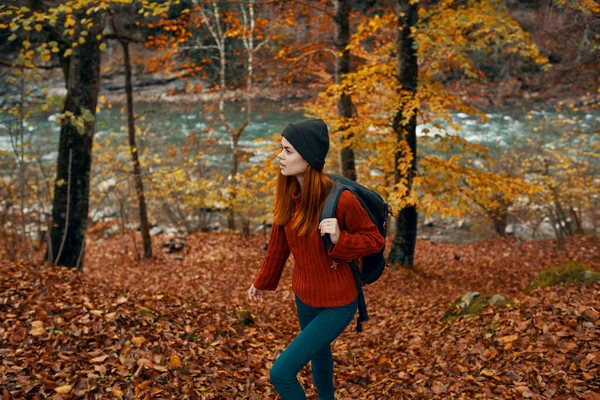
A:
(171, 328)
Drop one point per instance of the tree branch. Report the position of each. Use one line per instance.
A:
(324, 11)
(123, 38)
(430, 16)
(66, 227)
(11, 64)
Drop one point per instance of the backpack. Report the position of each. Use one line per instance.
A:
(372, 265)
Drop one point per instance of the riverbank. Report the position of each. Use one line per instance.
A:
(162, 89)
(156, 88)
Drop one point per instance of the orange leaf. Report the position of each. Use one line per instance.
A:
(63, 389)
(99, 359)
(138, 340)
(175, 361)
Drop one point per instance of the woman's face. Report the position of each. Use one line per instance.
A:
(291, 162)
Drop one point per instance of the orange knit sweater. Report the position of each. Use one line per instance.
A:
(313, 279)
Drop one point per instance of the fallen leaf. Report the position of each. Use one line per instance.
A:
(99, 359)
(63, 389)
(507, 339)
(37, 331)
(138, 340)
(145, 362)
(525, 392)
(175, 361)
(438, 388)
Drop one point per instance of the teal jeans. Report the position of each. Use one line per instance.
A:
(319, 328)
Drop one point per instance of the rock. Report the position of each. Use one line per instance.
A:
(105, 214)
(156, 231)
(466, 299)
(106, 185)
(171, 231)
(497, 300)
(545, 229)
(112, 230)
(179, 258)
(214, 227)
(245, 317)
(467, 305)
(428, 223)
(462, 224)
(132, 226)
(572, 272)
(589, 276)
(263, 227)
(174, 245)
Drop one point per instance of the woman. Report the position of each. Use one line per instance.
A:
(326, 293)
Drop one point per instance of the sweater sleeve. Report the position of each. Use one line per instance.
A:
(278, 252)
(359, 236)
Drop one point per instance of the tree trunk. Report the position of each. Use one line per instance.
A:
(233, 182)
(499, 215)
(137, 170)
(403, 246)
(342, 66)
(22, 166)
(561, 217)
(500, 223)
(71, 190)
(577, 220)
(234, 145)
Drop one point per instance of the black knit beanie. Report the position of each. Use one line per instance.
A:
(310, 138)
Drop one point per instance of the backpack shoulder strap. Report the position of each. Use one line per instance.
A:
(330, 206)
(328, 211)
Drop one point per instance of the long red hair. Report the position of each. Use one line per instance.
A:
(315, 188)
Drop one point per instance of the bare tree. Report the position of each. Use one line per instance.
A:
(213, 22)
(124, 40)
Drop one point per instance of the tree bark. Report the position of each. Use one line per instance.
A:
(500, 223)
(71, 190)
(498, 215)
(342, 66)
(233, 182)
(137, 170)
(403, 246)
(20, 154)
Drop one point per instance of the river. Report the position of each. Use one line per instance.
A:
(168, 124)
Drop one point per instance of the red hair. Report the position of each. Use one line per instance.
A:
(315, 188)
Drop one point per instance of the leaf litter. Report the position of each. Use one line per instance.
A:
(172, 328)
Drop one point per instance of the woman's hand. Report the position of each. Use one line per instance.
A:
(330, 225)
(254, 293)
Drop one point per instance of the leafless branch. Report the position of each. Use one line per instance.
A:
(66, 225)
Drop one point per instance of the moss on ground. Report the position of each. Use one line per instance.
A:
(469, 305)
(568, 273)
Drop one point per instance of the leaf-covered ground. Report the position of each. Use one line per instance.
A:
(171, 328)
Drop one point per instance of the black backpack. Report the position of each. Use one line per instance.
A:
(373, 264)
